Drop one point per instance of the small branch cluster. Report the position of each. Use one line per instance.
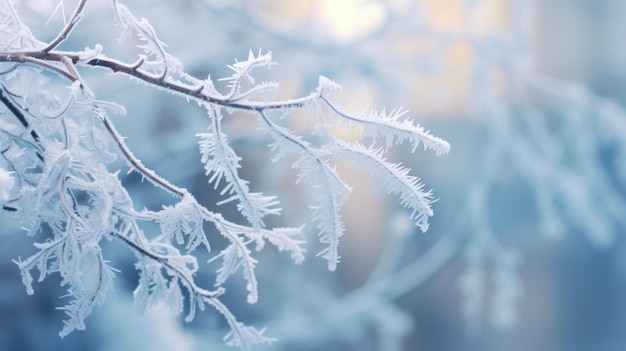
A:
(57, 154)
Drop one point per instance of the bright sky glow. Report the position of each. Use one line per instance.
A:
(347, 20)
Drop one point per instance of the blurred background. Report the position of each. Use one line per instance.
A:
(526, 248)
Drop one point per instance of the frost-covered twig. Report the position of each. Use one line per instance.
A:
(69, 26)
(72, 185)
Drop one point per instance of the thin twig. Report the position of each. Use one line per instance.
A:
(16, 112)
(76, 16)
(210, 294)
(193, 92)
(20, 116)
(136, 164)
